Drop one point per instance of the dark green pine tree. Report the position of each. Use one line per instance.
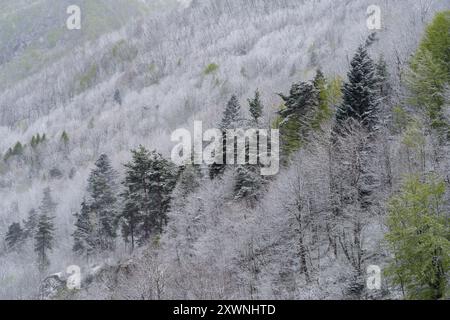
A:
(30, 224)
(43, 237)
(102, 203)
(230, 120)
(149, 182)
(44, 240)
(15, 237)
(361, 94)
(84, 236)
(296, 116)
(256, 107)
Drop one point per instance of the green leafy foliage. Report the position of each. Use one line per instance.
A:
(419, 239)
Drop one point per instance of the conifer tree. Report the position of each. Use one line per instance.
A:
(18, 149)
(30, 224)
(84, 236)
(231, 114)
(102, 202)
(44, 240)
(230, 120)
(256, 107)
(361, 98)
(14, 236)
(296, 116)
(149, 182)
(44, 235)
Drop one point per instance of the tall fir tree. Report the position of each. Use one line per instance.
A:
(360, 92)
(255, 107)
(30, 224)
(230, 120)
(44, 235)
(15, 237)
(102, 202)
(84, 237)
(149, 182)
(44, 240)
(296, 116)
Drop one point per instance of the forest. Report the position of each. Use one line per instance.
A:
(89, 190)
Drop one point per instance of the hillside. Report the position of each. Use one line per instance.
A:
(137, 71)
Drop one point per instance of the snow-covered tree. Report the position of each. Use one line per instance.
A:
(14, 236)
(44, 240)
(296, 116)
(149, 182)
(230, 120)
(360, 92)
(84, 237)
(102, 188)
(255, 107)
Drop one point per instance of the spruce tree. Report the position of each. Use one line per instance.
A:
(30, 224)
(44, 240)
(14, 236)
(149, 182)
(296, 116)
(44, 235)
(231, 114)
(255, 107)
(84, 236)
(361, 98)
(230, 120)
(102, 202)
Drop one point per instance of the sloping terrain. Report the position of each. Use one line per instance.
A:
(172, 65)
